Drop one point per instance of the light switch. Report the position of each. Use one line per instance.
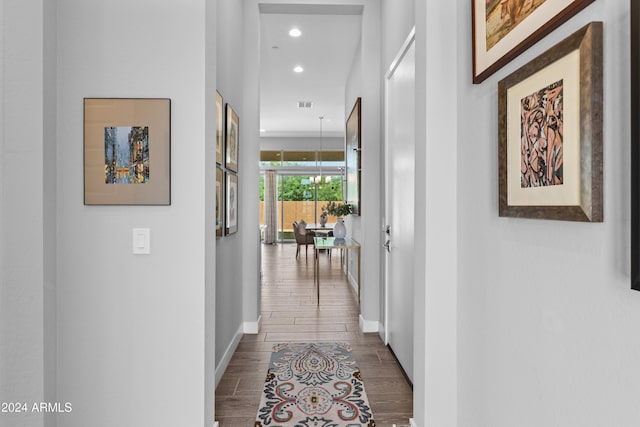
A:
(141, 241)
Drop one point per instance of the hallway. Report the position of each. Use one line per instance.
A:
(290, 313)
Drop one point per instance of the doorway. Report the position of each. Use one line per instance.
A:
(399, 204)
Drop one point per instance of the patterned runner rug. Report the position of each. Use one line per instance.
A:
(313, 385)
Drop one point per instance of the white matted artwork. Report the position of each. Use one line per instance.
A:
(127, 151)
(550, 133)
(231, 217)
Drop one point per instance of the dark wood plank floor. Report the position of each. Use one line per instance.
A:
(290, 313)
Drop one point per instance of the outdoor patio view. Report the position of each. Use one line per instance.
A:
(297, 195)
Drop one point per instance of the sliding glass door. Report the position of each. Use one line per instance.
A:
(300, 198)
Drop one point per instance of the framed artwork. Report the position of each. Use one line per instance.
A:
(550, 133)
(635, 145)
(232, 203)
(127, 151)
(353, 158)
(219, 203)
(219, 129)
(232, 139)
(503, 29)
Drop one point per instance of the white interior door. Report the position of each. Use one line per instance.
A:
(399, 200)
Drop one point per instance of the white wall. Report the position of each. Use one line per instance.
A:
(436, 292)
(305, 143)
(131, 329)
(25, 348)
(211, 11)
(398, 18)
(548, 327)
(365, 81)
(250, 157)
(229, 249)
(50, 92)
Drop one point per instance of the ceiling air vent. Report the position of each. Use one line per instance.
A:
(305, 104)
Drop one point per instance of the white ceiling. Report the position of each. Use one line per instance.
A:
(326, 50)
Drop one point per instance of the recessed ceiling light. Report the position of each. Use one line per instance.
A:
(263, 130)
(298, 69)
(295, 32)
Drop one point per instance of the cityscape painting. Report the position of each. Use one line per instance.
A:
(126, 154)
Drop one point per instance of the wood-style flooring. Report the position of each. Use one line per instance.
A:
(290, 313)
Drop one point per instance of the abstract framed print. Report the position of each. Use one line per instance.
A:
(127, 151)
(503, 29)
(550, 133)
(233, 140)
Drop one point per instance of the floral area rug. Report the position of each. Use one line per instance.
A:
(313, 385)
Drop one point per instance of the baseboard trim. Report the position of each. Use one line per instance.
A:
(252, 327)
(228, 354)
(368, 326)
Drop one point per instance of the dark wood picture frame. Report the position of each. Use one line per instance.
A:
(127, 151)
(353, 158)
(220, 202)
(231, 203)
(544, 19)
(584, 105)
(635, 145)
(219, 129)
(232, 140)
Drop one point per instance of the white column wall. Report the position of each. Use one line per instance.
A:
(436, 281)
(22, 210)
(131, 329)
(50, 181)
(250, 157)
(230, 252)
(365, 81)
(211, 60)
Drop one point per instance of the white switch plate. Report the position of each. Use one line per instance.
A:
(141, 241)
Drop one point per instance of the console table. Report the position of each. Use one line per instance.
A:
(322, 243)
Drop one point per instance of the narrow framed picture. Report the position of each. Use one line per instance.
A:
(127, 151)
(231, 220)
(353, 158)
(503, 29)
(220, 212)
(219, 128)
(550, 133)
(232, 140)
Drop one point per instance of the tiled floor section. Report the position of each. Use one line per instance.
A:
(290, 313)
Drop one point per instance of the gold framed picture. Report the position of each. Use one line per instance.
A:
(233, 140)
(219, 128)
(550, 133)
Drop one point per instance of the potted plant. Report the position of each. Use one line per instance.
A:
(339, 210)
